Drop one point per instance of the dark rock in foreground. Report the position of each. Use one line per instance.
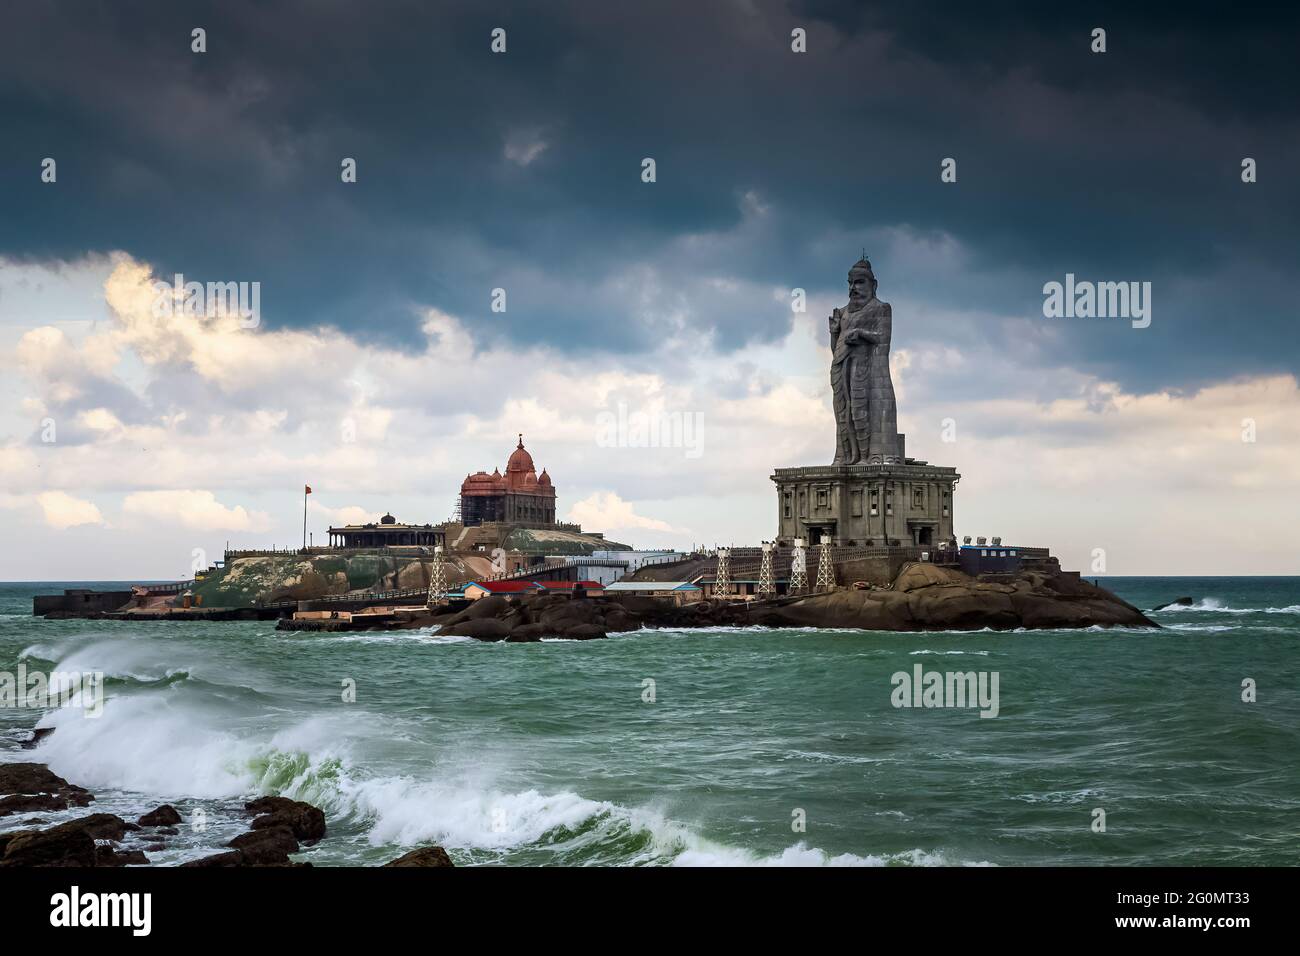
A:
(229, 858)
(104, 826)
(274, 835)
(58, 846)
(305, 822)
(278, 826)
(33, 787)
(267, 846)
(39, 734)
(1177, 602)
(424, 856)
(164, 816)
(70, 844)
(108, 856)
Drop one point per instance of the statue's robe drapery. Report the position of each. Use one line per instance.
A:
(866, 415)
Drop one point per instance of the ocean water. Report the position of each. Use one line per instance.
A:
(548, 753)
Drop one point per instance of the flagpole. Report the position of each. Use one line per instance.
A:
(305, 493)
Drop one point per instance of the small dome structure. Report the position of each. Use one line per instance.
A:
(520, 461)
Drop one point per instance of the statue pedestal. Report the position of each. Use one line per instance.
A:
(908, 504)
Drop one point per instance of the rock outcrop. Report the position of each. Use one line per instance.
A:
(274, 834)
(305, 822)
(424, 856)
(926, 597)
(164, 816)
(39, 734)
(33, 787)
(279, 828)
(269, 846)
(527, 619)
(71, 844)
(923, 597)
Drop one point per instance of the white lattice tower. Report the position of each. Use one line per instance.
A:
(825, 568)
(437, 580)
(766, 580)
(798, 568)
(722, 583)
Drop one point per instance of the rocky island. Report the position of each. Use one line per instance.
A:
(924, 597)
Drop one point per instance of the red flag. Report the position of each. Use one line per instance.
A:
(306, 489)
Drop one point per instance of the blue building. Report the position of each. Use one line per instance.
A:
(991, 558)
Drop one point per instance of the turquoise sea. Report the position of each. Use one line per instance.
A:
(551, 753)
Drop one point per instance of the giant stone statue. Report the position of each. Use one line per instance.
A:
(872, 495)
(866, 416)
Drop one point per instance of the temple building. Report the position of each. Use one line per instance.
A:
(387, 533)
(908, 504)
(520, 496)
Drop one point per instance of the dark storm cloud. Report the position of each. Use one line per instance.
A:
(773, 168)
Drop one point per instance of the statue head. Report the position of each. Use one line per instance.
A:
(862, 284)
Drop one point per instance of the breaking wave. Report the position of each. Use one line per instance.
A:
(1215, 606)
(169, 735)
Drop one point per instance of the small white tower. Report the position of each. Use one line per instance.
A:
(437, 580)
(798, 568)
(766, 580)
(722, 583)
(825, 567)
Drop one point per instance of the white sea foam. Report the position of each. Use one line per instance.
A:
(44, 652)
(748, 629)
(801, 855)
(1215, 606)
(141, 746)
(118, 658)
(420, 635)
(409, 812)
(817, 756)
(1086, 794)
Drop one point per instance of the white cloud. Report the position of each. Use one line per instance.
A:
(348, 514)
(61, 510)
(100, 420)
(607, 510)
(194, 509)
(524, 146)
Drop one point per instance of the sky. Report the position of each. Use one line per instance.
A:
(381, 370)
